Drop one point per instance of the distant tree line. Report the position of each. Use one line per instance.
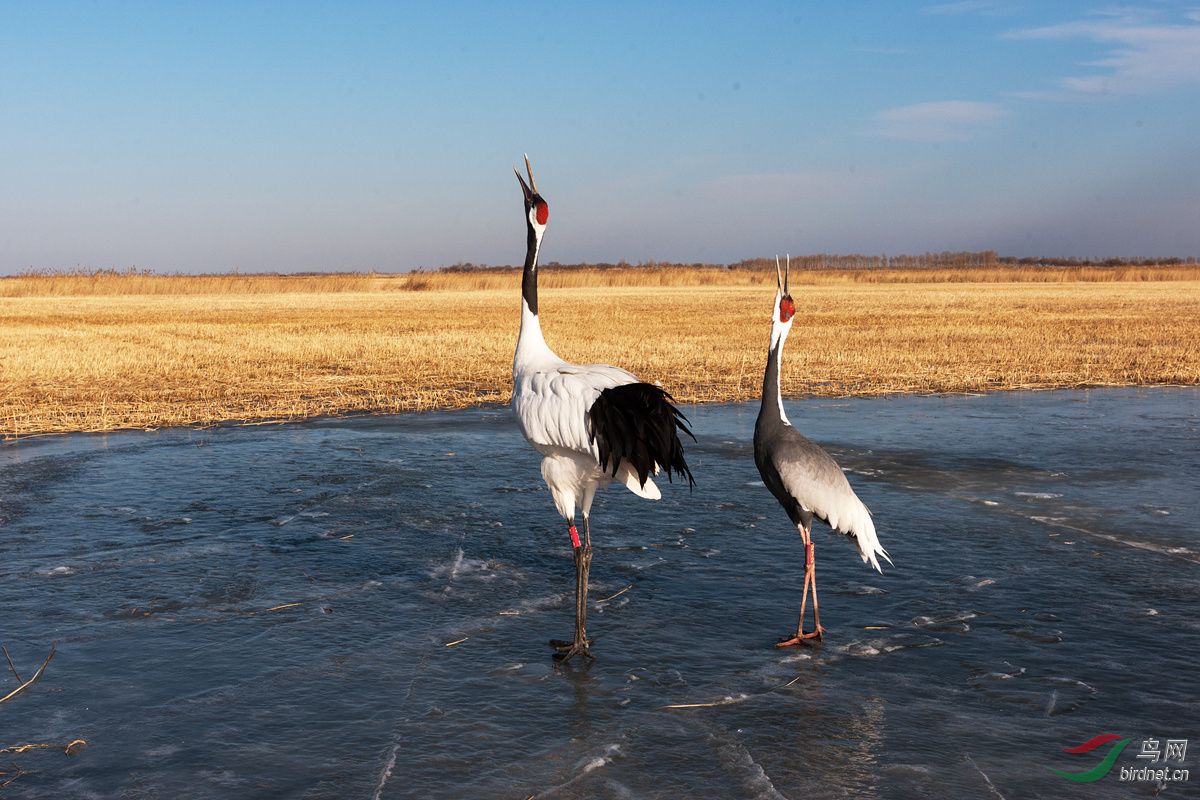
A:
(467, 266)
(855, 261)
(1041, 261)
(960, 259)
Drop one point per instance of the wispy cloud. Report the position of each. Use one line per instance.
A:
(965, 7)
(939, 121)
(1143, 56)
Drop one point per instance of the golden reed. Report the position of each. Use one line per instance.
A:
(103, 351)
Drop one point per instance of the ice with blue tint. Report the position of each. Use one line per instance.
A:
(360, 608)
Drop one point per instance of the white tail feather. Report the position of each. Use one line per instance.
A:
(855, 520)
(862, 527)
(630, 479)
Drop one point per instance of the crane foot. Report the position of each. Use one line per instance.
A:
(568, 650)
(802, 638)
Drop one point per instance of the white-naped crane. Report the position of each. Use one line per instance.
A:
(805, 479)
(592, 423)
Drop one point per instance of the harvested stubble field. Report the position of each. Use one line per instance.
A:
(102, 352)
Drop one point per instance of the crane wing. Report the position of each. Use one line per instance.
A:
(637, 426)
(817, 483)
(552, 404)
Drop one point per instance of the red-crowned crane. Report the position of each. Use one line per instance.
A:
(592, 423)
(805, 479)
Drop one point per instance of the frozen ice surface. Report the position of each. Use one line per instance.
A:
(360, 608)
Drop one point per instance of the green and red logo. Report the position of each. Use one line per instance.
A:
(1106, 764)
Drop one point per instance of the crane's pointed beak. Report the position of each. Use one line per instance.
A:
(530, 189)
(524, 186)
(529, 169)
(778, 277)
(787, 270)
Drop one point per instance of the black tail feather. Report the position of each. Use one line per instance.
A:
(638, 424)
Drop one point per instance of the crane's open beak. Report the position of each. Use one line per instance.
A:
(781, 277)
(525, 187)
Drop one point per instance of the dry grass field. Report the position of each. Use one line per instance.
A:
(102, 352)
(72, 284)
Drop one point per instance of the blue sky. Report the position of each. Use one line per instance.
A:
(296, 136)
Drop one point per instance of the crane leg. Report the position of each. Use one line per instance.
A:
(810, 582)
(818, 631)
(580, 644)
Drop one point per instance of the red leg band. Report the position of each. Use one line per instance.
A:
(574, 536)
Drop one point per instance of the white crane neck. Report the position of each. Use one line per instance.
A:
(532, 350)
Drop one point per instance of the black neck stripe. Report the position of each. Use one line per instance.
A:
(529, 276)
